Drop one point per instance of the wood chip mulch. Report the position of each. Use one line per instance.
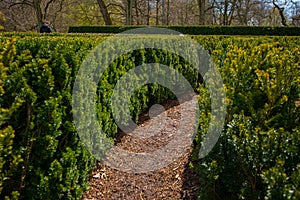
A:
(175, 181)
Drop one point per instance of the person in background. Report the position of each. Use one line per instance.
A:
(45, 28)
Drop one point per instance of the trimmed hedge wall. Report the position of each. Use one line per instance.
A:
(257, 155)
(41, 154)
(198, 30)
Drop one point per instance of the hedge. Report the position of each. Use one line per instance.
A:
(41, 156)
(41, 152)
(257, 156)
(198, 30)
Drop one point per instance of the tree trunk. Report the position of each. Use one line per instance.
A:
(162, 12)
(157, 12)
(137, 15)
(225, 19)
(104, 12)
(38, 12)
(129, 12)
(201, 6)
(168, 12)
(148, 12)
(280, 10)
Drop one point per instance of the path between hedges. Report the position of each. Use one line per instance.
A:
(175, 181)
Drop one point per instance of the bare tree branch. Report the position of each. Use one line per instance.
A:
(116, 5)
(21, 3)
(104, 12)
(47, 7)
(280, 10)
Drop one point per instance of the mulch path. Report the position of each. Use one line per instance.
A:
(175, 181)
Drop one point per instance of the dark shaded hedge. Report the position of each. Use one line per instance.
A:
(198, 30)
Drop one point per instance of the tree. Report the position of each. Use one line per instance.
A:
(19, 13)
(40, 10)
(64, 13)
(202, 11)
(223, 11)
(281, 12)
(296, 14)
(148, 13)
(129, 12)
(287, 9)
(250, 12)
(2, 19)
(104, 12)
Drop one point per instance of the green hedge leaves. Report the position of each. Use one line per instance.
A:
(256, 157)
(42, 153)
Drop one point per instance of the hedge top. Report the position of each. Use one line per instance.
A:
(198, 30)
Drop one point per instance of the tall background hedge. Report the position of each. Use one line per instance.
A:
(198, 30)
